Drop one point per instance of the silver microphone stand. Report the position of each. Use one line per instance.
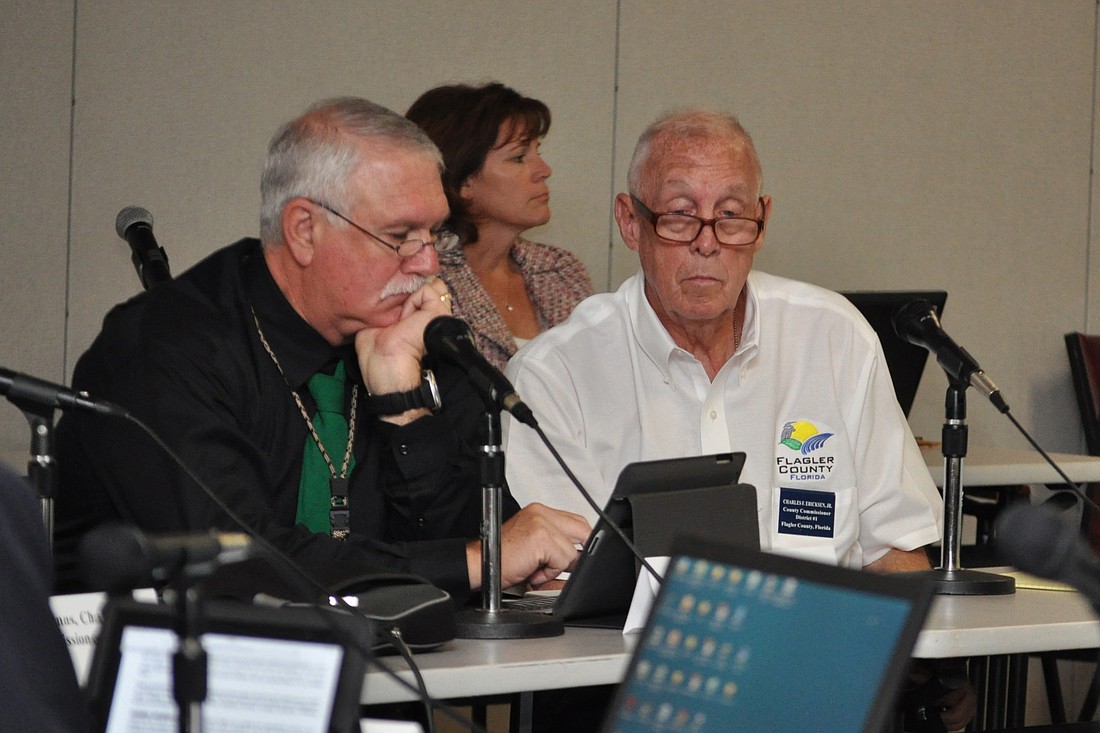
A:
(492, 620)
(950, 578)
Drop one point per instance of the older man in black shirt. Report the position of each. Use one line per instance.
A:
(221, 363)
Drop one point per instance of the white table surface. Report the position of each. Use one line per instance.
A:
(957, 626)
(1026, 621)
(466, 668)
(988, 466)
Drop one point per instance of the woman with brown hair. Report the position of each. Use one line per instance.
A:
(509, 289)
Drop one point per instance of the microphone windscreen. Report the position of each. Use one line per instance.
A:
(443, 332)
(910, 318)
(1037, 540)
(129, 216)
(114, 557)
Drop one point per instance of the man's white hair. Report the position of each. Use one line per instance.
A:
(695, 124)
(315, 154)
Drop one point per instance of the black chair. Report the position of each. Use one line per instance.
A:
(1084, 366)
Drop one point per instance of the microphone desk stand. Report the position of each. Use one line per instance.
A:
(190, 662)
(41, 468)
(492, 620)
(950, 578)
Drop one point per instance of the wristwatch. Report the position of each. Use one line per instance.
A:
(394, 403)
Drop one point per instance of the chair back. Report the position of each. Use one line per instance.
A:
(1084, 364)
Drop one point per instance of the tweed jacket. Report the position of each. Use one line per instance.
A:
(556, 281)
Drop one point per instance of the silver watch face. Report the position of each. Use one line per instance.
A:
(436, 401)
(426, 395)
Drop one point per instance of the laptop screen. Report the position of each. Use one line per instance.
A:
(281, 669)
(905, 360)
(741, 640)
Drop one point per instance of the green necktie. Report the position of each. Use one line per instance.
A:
(315, 489)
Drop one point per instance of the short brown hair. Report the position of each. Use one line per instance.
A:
(464, 122)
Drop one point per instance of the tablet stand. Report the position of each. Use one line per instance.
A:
(713, 513)
(950, 578)
(492, 620)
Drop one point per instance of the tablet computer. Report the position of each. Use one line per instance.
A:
(286, 669)
(652, 502)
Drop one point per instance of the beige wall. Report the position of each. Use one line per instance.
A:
(36, 51)
(922, 144)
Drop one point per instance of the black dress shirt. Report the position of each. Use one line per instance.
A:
(187, 360)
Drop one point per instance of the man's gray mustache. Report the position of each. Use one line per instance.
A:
(404, 286)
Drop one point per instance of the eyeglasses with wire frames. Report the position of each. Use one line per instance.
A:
(731, 231)
(441, 240)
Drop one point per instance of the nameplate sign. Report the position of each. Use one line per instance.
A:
(80, 616)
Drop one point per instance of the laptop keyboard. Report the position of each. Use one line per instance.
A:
(543, 604)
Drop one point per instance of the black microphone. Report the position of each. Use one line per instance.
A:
(917, 323)
(450, 338)
(118, 557)
(1046, 542)
(22, 389)
(135, 225)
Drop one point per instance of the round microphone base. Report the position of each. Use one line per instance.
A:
(478, 623)
(967, 582)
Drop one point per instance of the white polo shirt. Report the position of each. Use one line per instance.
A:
(807, 397)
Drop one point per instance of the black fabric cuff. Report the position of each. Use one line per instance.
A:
(443, 562)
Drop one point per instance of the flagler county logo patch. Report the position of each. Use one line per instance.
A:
(812, 461)
(803, 437)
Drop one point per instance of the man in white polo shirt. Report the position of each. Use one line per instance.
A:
(695, 354)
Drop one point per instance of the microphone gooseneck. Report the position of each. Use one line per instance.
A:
(450, 338)
(23, 389)
(917, 323)
(118, 557)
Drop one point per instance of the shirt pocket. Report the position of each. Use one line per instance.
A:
(814, 523)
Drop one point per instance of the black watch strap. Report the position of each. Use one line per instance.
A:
(394, 403)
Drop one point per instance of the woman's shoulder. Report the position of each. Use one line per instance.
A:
(556, 279)
(538, 258)
(539, 255)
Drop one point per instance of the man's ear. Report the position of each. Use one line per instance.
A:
(628, 221)
(299, 221)
(766, 202)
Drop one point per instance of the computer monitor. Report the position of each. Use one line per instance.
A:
(904, 360)
(739, 640)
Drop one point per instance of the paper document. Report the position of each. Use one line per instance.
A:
(644, 593)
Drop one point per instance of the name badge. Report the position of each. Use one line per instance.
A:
(809, 513)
